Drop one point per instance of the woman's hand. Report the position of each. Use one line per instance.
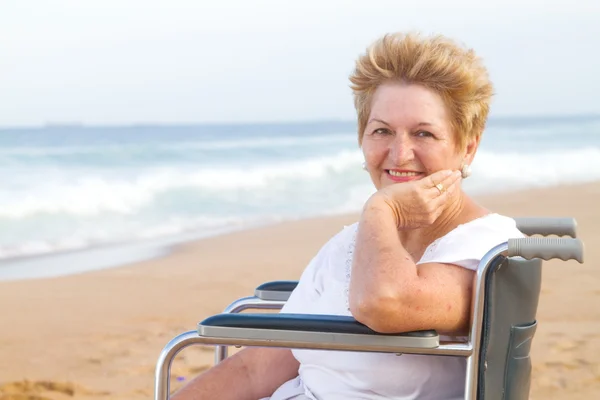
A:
(417, 203)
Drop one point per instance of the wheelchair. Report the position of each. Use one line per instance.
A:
(504, 307)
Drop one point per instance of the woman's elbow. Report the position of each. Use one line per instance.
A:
(378, 312)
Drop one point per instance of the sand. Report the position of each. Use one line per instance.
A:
(97, 335)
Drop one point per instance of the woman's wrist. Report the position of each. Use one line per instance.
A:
(379, 204)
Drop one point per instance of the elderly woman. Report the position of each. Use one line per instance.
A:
(408, 263)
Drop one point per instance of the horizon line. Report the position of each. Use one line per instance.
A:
(76, 124)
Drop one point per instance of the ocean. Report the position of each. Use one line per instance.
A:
(75, 198)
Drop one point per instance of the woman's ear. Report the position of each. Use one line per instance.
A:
(468, 155)
(470, 149)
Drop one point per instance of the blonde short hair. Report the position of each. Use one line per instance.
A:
(436, 62)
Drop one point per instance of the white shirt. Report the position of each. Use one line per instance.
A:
(339, 375)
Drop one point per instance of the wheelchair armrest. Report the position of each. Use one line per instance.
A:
(313, 331)
(547, 226)
(275, 290)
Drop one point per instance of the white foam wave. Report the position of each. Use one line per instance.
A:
(93, 195)
(541, 169)
(90, 195)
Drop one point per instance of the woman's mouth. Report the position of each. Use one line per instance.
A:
(403, 176)
(398, 173)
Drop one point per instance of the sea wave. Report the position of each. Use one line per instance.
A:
(93, 195)
(90, 195)
(551, 167)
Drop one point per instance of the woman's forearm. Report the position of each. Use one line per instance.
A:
(251, 374)
(383, 272)
(227, 380)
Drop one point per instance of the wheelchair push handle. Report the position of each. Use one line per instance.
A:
(546, 248)
(547, 226)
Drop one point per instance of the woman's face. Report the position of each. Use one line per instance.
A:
(409, 136)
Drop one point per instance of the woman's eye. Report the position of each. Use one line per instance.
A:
(424, 134)
(381, 131)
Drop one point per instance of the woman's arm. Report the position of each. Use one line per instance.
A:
(251, 374)
(387, 291)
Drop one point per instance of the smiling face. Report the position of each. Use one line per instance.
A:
(409, 135)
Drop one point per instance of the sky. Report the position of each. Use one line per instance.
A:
(115, 62)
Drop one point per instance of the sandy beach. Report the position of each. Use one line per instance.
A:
(97, 335)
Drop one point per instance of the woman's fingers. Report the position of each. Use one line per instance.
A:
(441, 191)
(421, 202)
(441, 182)
(450, 183)
(437, 177)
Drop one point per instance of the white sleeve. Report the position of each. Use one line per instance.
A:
(308, 289)
(311, 284)
(467, 245)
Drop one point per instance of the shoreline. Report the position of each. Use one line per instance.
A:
(125, 253)
(122, 254)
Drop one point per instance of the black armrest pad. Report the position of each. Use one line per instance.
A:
(302, 322)
(279, 286)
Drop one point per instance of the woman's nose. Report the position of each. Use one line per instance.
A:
(401, 149)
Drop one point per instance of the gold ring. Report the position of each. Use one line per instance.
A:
(440, 187)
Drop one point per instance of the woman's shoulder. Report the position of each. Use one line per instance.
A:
(490, 228)
(492, 222)
(467, 243)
